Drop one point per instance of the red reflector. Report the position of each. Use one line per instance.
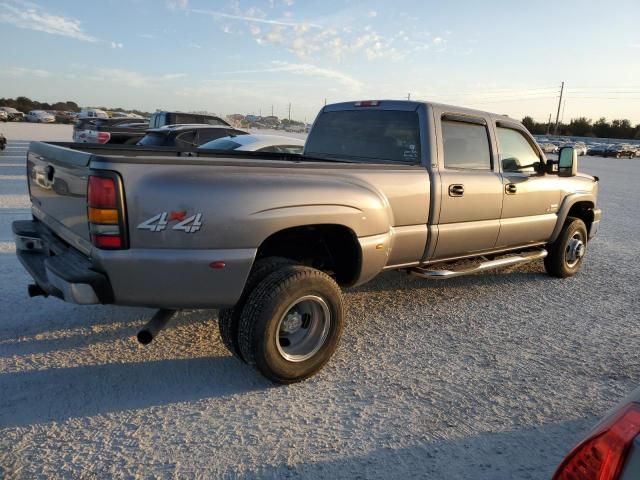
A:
(367, 103)
(217, 265)
(106, 241)
(103, 137)
(102, 192)
(602, 456)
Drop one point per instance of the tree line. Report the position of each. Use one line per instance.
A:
(585, 127)
(25, 104)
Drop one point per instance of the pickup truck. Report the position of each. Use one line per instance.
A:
(270, 239)
(123, 131)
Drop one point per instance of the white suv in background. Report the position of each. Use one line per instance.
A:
(40, 116)
(92, 113)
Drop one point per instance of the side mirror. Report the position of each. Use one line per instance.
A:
(567, 162)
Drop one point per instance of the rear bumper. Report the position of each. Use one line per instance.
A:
(58, 269)
(157, 278)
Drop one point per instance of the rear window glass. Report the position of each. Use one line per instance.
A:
(152, 140)
(377, 135)
(220, 144)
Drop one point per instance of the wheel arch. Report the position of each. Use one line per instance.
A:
(332, 248)
(579, 205)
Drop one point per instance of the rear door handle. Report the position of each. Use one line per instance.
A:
(510, 188)
(456, 190)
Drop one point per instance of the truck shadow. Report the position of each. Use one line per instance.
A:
(55, 395)
(532, 452)
(93, 330)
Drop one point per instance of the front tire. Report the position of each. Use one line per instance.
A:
(567, 252)
(292, 323)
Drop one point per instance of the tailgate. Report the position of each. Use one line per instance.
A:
(57, 179)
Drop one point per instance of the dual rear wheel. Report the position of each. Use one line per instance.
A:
(287, 323)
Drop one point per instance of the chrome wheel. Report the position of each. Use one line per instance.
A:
(303, 329)
(575, 250)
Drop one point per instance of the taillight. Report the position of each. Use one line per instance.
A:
(103, 211)
(602, 456)
(367, 103)
(103, 137)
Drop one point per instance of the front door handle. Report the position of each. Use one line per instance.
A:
(456, 190)
(510, 188)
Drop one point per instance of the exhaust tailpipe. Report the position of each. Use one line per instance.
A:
(152, 328)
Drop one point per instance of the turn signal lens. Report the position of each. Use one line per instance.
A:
(103, 215)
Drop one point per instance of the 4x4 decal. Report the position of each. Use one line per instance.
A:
(159, 222)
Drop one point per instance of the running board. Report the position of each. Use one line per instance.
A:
(488, 265)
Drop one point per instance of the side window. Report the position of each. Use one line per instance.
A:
(185, 140)
(466, 146)
(516, 153)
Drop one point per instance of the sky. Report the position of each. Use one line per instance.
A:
(252, 56)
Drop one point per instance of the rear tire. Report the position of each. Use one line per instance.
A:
(292, 323)
(567, 252)
(229, 318)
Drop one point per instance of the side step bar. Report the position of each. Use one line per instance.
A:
(488, 265)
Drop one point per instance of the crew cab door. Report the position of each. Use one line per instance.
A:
(531, 199)
(470, 185)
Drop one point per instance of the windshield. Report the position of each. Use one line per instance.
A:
(376, 135)
(220, 144)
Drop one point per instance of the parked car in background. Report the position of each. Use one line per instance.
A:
(92, 113)
(186, 136)
(548, 147)
(125, 115)
(160, 119)
(580, 147)
(611, 450)
(40, 116)
(621, 150)
(13, 114)
(127, 131)
(4, 117)
(256, 143)
(65, 117)
(597, 150)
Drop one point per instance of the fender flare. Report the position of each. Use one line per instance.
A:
(568, 202)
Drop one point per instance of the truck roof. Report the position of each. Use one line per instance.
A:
(407, 105)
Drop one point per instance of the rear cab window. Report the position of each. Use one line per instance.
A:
(366, 135)
(153, 139)
(466, 145)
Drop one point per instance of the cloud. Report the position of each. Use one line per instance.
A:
(177, 4)
(194, 45)
(132, 79)
(27, 72)
(256, 18)
(32, 17)
(116, 45)
(372, 14)
(148, 36)
(305, 69)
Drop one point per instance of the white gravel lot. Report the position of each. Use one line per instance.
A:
(493, 376)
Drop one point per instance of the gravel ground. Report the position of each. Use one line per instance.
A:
(493, 376)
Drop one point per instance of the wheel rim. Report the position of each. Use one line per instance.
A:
(575, 250)
(303, 329)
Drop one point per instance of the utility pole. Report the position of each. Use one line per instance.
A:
(272, 110)
(289, 111)
(549, 125)
(409, 96)
(564, 104)
(325, 102)
(555, 129)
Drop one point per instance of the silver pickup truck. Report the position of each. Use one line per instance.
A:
(269, 239)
